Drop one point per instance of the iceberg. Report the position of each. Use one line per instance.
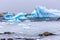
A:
(8, 16)
(44, 12)
(39, 13)
(17, 18)
(20, 16)
(33, 14)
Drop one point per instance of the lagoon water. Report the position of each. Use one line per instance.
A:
(28, 27)
(31, 29)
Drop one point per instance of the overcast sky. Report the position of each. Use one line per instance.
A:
(26, 5)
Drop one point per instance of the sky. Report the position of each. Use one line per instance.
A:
(26, 5)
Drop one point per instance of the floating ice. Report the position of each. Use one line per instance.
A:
(8, 16)
(39, 11)
(20, 16)
(43, 12)
(33, 14)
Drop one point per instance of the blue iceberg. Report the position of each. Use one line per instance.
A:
(44, 12)
(8, 16)
(39, 13)
(33, 14)
(21, 16)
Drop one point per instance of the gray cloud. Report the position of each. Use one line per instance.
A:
(26, 5)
